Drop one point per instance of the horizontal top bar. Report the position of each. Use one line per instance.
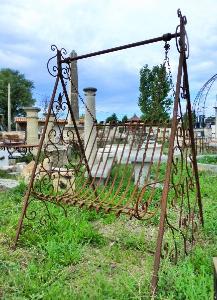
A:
(166, 37)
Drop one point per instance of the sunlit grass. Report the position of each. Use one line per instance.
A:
(97, 256)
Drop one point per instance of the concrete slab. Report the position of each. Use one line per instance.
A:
(8, 183)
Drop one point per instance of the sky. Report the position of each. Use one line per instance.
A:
(28, 28)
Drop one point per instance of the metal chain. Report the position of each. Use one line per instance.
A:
(82, 100)
(167, 64)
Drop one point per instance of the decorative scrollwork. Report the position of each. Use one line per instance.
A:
(183, 35)
(51, 67)
(183, 183)
(63, 53)
(18, 151)
(66, 70)
(42, 217)
(54, 65)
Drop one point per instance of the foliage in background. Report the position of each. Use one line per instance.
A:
(124, 119)
(154, 89)
(21, 92)
(26, 158)
(4, 174)
(186, 120)
(111, 118)
(208, 159)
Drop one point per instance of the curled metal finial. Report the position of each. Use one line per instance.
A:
(185, 47)
(183, 18)
(55, 65)
(52, 68)
(65, 67)
(66, 73)
(63, 53)
(179, 13)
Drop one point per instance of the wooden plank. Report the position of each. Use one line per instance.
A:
(17, 145)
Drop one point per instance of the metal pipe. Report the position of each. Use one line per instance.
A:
(165, 37)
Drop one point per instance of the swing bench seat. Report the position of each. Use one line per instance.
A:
(122, 177)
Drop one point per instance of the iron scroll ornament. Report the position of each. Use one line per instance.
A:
(54, 66)
(183, 21)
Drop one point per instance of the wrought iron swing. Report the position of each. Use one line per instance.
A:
(98, 174)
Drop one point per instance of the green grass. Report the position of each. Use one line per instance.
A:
(208, 159)
(96, 256)
(6, 175)
(71, 258)
(192, 277)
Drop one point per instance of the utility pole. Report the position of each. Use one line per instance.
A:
(9, 107)
(215, 107)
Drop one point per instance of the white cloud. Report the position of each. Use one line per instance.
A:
(11, 59)
(29, 27)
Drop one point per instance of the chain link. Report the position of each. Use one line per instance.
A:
(168, 67)
(82, 100)
(166, 63)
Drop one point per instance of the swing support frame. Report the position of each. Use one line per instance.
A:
(60, 73)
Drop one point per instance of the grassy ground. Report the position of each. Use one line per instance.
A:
(93, 256)
(208, 159)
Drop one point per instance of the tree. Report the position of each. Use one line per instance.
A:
(125, 119)
(43, 104)
(21, 92)
(186, 119)
(154, 89)
(111, 118)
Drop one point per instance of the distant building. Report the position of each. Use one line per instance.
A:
(205, 127)
(21, 123)
(134, 118)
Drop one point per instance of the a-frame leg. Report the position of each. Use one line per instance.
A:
(27, 195)
(191, 132)
(167, 178)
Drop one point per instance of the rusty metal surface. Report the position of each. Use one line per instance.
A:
(16, 146)
(141, 169)
(205, 145)
(186, 93)
(113, 188)
(169, 168)
(15, 149)
(26, 199)
(164, 37)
